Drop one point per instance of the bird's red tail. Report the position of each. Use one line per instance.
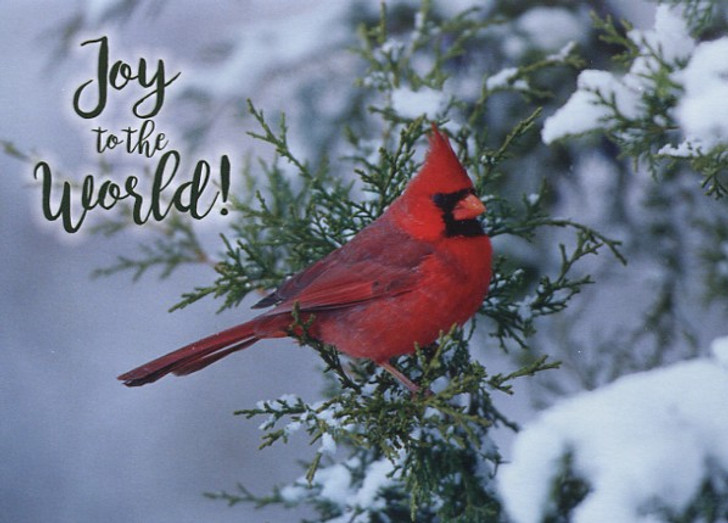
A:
(194, 356)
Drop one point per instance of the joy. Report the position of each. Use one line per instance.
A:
(117, 77)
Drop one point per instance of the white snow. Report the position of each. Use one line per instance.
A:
(289, 399)
(703, 110)
(562, 53)
(294, 493)
(670, 36)
(328, 445)
(334, 483)
(551, 28)
(291, 428)
(502, 79)
(411, 104)
(376, 479)
(645, 438)
(685, 149)
(719, 348)
(584, 111)
(328, 415)
(268, 423)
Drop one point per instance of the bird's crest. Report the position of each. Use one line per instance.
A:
(442, 172)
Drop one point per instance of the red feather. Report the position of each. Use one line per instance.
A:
(420, 268)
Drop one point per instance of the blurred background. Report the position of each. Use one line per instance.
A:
(78, 446)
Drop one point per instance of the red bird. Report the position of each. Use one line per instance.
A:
(421, 267)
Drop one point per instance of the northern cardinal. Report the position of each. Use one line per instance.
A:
(421, 267)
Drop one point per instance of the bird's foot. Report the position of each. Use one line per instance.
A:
(404, 380)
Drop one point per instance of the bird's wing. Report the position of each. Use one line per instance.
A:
(380, 261)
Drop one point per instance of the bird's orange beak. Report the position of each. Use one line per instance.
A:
(468, 208)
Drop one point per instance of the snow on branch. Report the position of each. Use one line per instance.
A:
(670, 106)
(649, 445)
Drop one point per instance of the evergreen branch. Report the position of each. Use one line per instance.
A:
(245, 496)
(501, 383)
(13, 151)
(178, 247)
(279, 141)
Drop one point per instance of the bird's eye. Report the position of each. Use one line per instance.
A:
(439, 199)
(448, 201)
